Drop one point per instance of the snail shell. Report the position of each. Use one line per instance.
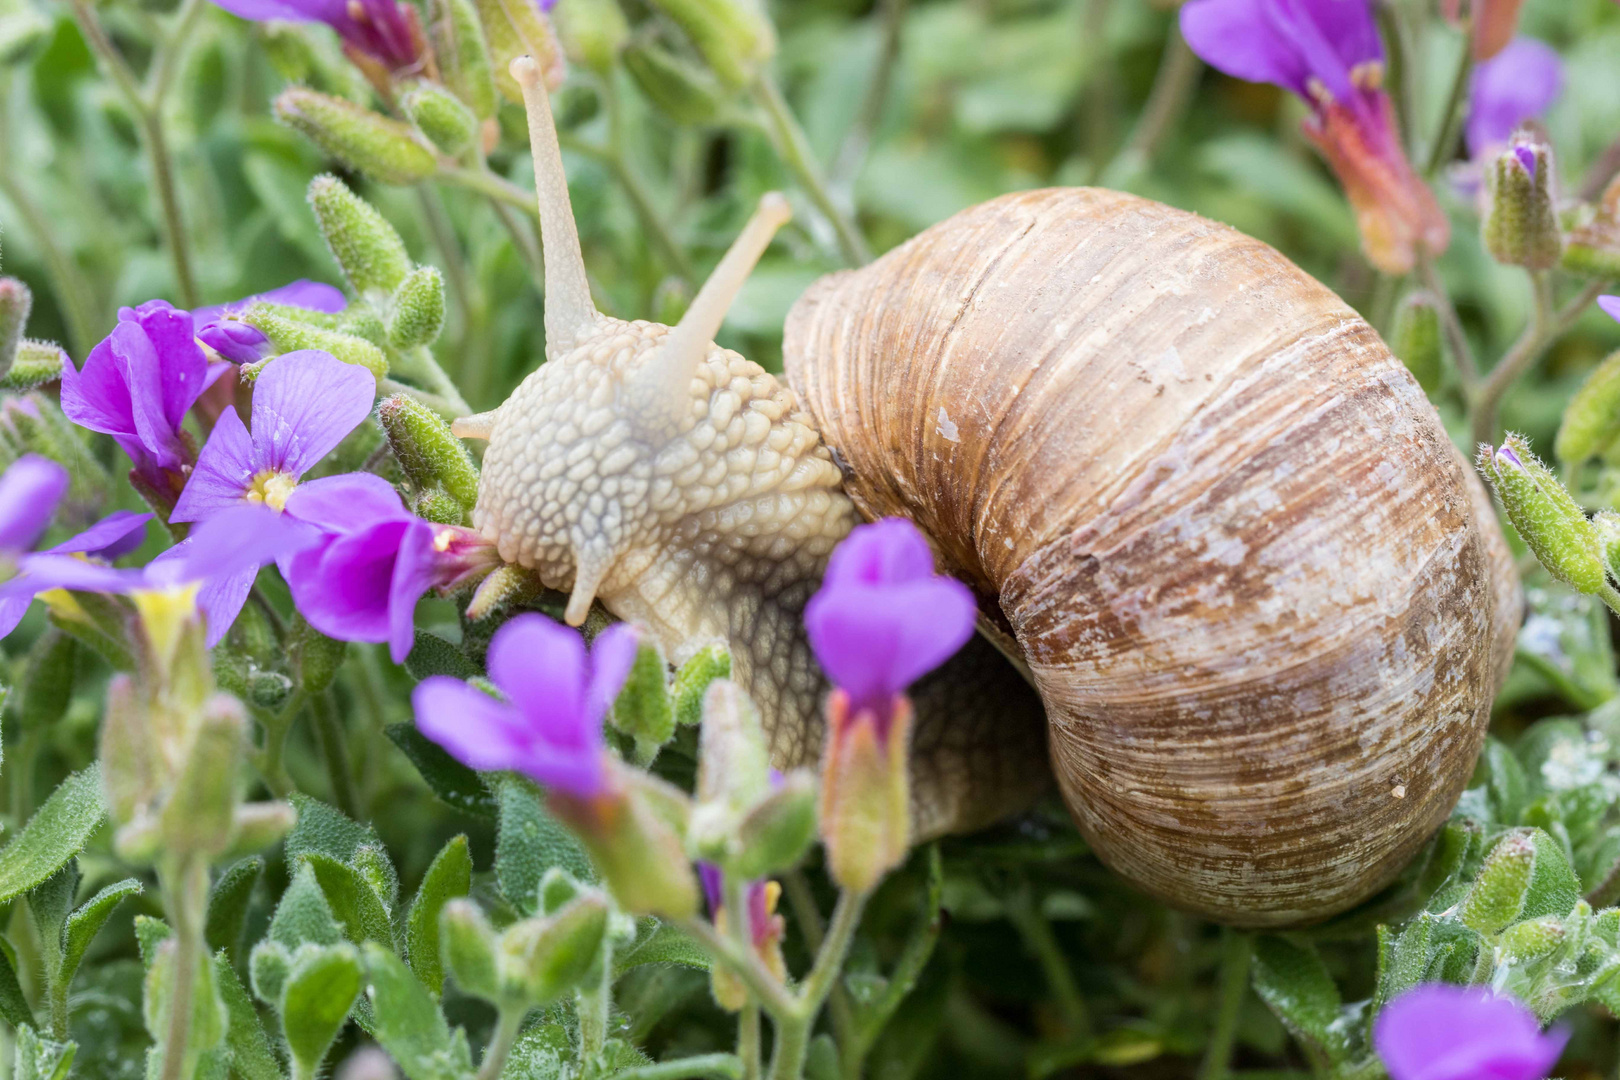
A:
(1262, 598)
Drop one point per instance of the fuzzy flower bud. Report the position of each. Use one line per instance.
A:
(430, 455)
(1592, 248)
(683, 92)
(367, 249)
(438, 114)
(514, 30)
(1417, 339)
(592, 32)
(1592, 416)
(384, 149)
(764, 929)
(693, 679)
(1551, 522)
(734, 37)
(643, 710)
(463, 55)
(1521, 220)
(34, 363)
(419, 309)
(15, 302)
(289, 335)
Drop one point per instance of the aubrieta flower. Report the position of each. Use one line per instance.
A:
(881, 620)
(240, 343)
(372, 559)
(765, 931)
(1328, 53)
(383, 30)
(304, 404)
(29, 492)
(137, 386)
(549, 728)
(1440, 1032)
(1520, 83)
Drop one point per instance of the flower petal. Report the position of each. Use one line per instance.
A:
(540, 666)
(1237, 37)
(326, 11)
(1441, 1032)
(1519, 83)
(413, 576)
(223, 474)
(235, 341)
(876, 642)
(311, 295)
(1610, 306)
(119, 533)
(182, 369)
(96, 395)
(473, 727)
(343, 587)
(304, 404)
(612, 654)
(12, 610)
(346, 502)
(220, 600)
(230, 542)
(29, 492)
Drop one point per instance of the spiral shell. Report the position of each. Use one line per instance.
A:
(1260, 594)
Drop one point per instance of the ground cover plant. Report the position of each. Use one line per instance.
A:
(306, 772)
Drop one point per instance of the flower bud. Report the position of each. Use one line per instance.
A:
(315, 657)
(200, 814)
(258, 825)
(506, 585)
(1417, 339)
(591, 31)
(290, 336)
(439, 507)
(1531, 940)
(1551, 522)
(430, 455)
(633, 837)
(15, 302)
(692, 681)
(1592, 416)
(34, 363)
(129, 761)
(418, 313)
(367, 249)
(468, 944)
(463, 55)
(734, 37)
(764, 928)
(384, 149)
(543, 958)
(683, 92)
(514, 30)
(440, 115)
(643, 710)
(865, 791)
(1592, 247)
(778, 830)
(1521, 221)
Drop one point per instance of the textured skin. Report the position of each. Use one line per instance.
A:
(1259, 594)
(721, 530)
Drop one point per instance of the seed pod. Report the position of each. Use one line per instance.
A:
(591, 31)
(15, 301)
(430, 455)
(384, 149)
(735, 37)
(1592, 416)
(35, 363)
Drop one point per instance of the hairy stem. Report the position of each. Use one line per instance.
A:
(1451, 121)
(748, 1041)
(507, 1027)
(1033, 927)
(1545, 326)
(744, 964)
(793, 1030)
(329, 731)
(1462, 353)
(852, 151)
(1167, 102)
(1237, 949)
(715, 1066)
(67, 280)
(915, 956)
(185, 896)
(793, 146)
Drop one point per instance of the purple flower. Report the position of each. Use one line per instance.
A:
(549, 728)
(1440, 1032)
(1610, 306)
(1520, 83)
(243, 344)
(304, 404)
(1328, 53)
(383, 30)
(373, 559)
(137, 386)
(882, 618)
(29, 492)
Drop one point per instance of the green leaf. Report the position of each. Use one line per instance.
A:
(454, 783)
(529, 842)
(354, 902)
(229, 901)
(13, 1005)
(149, 934)
(449, 876)
(303, 915)
(661, 943)
(252, 1057)
(542, 1052)
(56, 833)
(50, 902)
(408, 1022)
(315, 1001)
(48, 687)
(85, 923)
(432, 655)
(325, 831)
(41, 1059)
(1292, 980)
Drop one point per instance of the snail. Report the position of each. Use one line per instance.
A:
(1209, 518)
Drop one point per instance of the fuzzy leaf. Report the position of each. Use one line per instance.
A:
(1292, 980)
(661, 943)
(228, 903)
(315, 1001)
(408, 1022)
(454, 783)
(529, 842)
(13, 1005)
(325, 831)
(56, 833)
(85, 923)
(252, 1057)
(303, 915)
(354, 902)
(449, 876)
(432, 655)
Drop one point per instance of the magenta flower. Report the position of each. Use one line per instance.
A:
(549, 728)
(882, 618)
(1440, 1032)
(243, 344)
(1520, 83)
(137, 386)
(372, 560)
(383, 30)
(304, 404)
(29, 492)
(1328, 53)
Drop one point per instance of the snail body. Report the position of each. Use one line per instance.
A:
(1206, 514)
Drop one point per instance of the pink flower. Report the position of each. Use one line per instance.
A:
(1440, 1032)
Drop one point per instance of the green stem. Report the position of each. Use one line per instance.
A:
(717, 1066)
(184, 885)
(492, 187)
(1545, 326)
(793, 146)
(593, 1006)
(21, 772)
(852, 151)
(446, 408)
(1600, 172)
(528, 248)
(270, 761)
(420, 364)
(807, 916)
(744, 964)
(1451, 121)
(918, 950)
(1610, 596)
(640, 200)
(1036, 931)
(329, 730)
(793, 1030)
(1167, 102)
(67, 281)
(507, 1027)
(1237, 949)
(1462, 353)
(450, 253)
(748, 1041)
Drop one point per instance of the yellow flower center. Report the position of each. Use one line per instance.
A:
(272, 488)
